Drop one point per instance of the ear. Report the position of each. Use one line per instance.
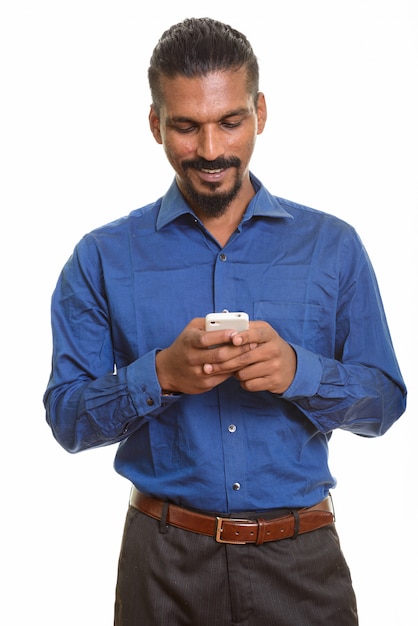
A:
(154, 124)
(261, 113)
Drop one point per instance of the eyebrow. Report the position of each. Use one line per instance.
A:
(179, 119)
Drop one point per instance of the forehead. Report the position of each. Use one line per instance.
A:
(215, 93)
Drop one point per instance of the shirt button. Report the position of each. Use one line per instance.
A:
(236, 486)
(222, 257)
(150, 402)
(232, 428)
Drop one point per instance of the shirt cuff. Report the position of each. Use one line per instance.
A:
(144, 387)
(308, 375)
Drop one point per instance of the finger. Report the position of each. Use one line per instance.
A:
(215, 338)
(226, 360)
(258, 332)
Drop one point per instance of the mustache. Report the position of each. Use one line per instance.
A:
(217, 164)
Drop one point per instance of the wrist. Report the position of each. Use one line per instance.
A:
(167, 387)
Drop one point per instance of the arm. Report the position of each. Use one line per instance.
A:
(94, 398)
(361, 389)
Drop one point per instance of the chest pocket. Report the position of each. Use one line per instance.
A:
(303, 324)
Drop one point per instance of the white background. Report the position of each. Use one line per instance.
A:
(340, 80)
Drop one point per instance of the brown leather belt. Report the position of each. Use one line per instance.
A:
(233, 530)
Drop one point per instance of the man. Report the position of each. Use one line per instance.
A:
(224, 434)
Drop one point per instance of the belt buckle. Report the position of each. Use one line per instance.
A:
(218, 533)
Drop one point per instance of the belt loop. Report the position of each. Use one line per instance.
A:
(163, 519)
(297, 519)
(261, 531)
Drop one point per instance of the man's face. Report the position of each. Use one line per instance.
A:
(208, 127)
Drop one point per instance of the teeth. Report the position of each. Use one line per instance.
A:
(211, 171)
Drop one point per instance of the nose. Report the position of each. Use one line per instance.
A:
(210, 144)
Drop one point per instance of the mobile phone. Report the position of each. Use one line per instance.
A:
(230, 321)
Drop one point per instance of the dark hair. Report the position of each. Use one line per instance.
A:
(197, 46)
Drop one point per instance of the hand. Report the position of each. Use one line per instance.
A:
(185, 366)
(271, 366)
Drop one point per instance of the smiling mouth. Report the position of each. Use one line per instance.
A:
(207, 171)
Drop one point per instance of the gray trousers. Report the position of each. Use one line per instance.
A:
(172, 577)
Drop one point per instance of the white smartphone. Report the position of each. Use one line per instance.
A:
(230, 321)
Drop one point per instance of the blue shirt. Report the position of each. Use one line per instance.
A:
(131, 287)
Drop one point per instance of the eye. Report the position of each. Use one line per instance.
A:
(230, 125)
(184, 129)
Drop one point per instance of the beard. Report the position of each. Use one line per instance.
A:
(212, 204)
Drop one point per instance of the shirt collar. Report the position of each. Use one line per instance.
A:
(263, 203)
